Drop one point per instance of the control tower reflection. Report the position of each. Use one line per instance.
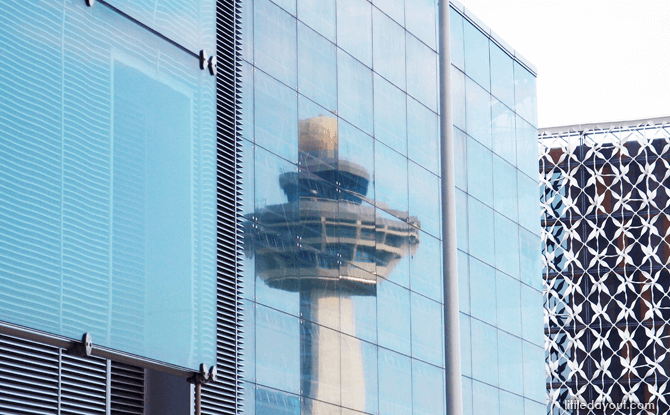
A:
(327, 244)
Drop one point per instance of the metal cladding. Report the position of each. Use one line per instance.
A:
(606, 246)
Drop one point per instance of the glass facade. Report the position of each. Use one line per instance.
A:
(500, 283)
(342, 208)
(108, 177)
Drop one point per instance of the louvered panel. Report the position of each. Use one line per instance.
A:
(127, 389)
(225, 397)
(28, 377)
(83, 386)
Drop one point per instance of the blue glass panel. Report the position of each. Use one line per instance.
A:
(511, 404)
(424, 199)
(427, 389)
(354, 92)
(466, 345)
(476, 55)
(314, 407)
(462, 233)
(505, 188)
(390, 178)
(248, 32)
(478, 112)
(191, 23)
(467, 395)
(484, 399)
(529, 204)
(390, 115)
(527, 148)
(320, 301)
(395, 240)
(426, 267)
(393, 316)
(247, 81)
(480, 172)
(456, 39)
(530, 259)
(427, 336)
(483, 291)
(105, 166)
(358, 314)
(484, 353)
(276, 117)
(354, 29)
(419, 15)
(421, 72)
(388, 49)
(534, 408)
(507, 245)
(503, 133)
(317, 68)
(288, 5)
(502, 76)
(481, 231)
(508, 293)
(525, 94)
(460, 159)
(393, 8)
(531, 315)
(359, 375)
(319, 15)
(509, 350)
(249, 398)
(249, 274)
(423, 136)
(458, 98)
(249, 340)
(277, 350)
(463, 282)
(273, 402)
(395, 383)
(533, 372)
(320, 357)
(275, 42)
(357, 148)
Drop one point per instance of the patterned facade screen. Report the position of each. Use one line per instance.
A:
(108, 207)
(606, 247)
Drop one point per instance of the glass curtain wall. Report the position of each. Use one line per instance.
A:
(343, 291)
(495, 130)
(108, 175)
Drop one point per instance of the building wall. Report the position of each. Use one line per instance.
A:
(343, 246)
(495, 119)
(605, 255)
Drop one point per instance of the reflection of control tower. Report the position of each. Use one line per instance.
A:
(325, 243)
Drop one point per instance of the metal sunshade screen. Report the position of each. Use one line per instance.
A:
(83, 385)
(606, 251)
(28, 377)
(225, 396)
(127, 389)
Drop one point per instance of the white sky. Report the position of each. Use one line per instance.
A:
(597, 60)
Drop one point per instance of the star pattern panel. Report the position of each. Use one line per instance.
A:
(605, 197)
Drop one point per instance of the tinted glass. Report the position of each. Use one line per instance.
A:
(458, 98)
(525, 94)
(424, 198)
(509, 350)
(393, 317)
(527, 151)
(460, 159)
(484, 354)
(476, 55)
(388, 49)
(277, 350)
(427, 335)
(417, 14)
(529, 208)
(322, 381)
(425, 267)
(390, 115)
(503, 130)
(319, 15)
(509, 303)
(276, 116)
(390, 178)
(478, 112)
(481, 231)
(462, 221)
(484, 399)
(423, 137)
(104, 170)
(502, 76)
(427, 389)
(354, 29)
(456, 39)
(354, 92)
(463, 282)
(275, 42)
(359, 375)
(533, 374)
(483, 291)
(505, 188)
(480, 169)
(507, 245)
(421, 72)
(466, 345)
(529, 260)
(393, 8)
(395, 383)
(317, 68)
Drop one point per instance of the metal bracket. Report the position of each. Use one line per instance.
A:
(83, 348)
(204, 376)
(212, 65)
(208, 62)
(90, 3)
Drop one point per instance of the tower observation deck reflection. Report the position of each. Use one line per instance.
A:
(328, 244)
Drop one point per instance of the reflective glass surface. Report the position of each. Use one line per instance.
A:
(463, 282)
(276, 113)
(424, 198)
(456, 39)
(528, 209)
(484, 399)
(393, 317)
(510, 404)
(483, 291)
(503, 132)
(277, 349)
(421, 72)
(391, 115)
(316, 68)
(462, 232)
(425, 267)
(466, 345)
(108, 152)
(395, 372)
(275, 42)
(354, 29)
(427, 389)
(478, 112)
(354, 92)
(191, 23)
(484, 353)
(393, 8)
(388, 48)
(288, 5)
(458, 98)
(505, 196)
(359, 375)
(527, 150)
(502, 76)
(423, 137)
(525, 95)
(480, 177)
(391, 178)
(417, 13)
(508, 301)
(532, 322)
(319, 15)
(476, 55)
(509, 350)
(507, 245)
(533, 375)
(427, 330)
